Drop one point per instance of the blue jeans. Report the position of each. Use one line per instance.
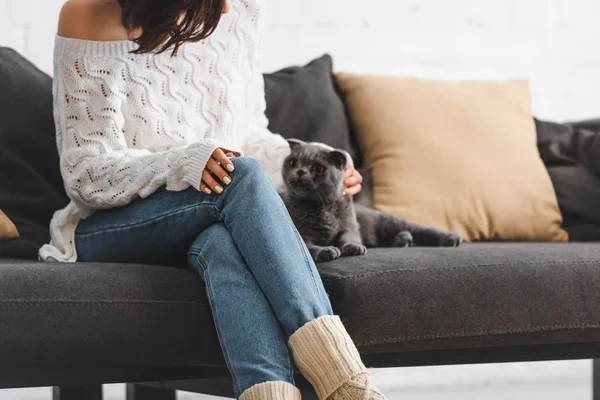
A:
(261, 281)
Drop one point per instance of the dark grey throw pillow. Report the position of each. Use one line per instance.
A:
(571, 153)
(303, 103)
(31, 186)
(571, 143)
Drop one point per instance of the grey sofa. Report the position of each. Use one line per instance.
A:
(77, 326)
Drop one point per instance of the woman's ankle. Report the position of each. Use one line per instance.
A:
(272, 390)
(325, 354)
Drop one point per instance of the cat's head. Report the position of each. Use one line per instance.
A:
(314, 170)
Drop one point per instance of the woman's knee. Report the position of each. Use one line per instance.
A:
(250, 168)
(246, 164)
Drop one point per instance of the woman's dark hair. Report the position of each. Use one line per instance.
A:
(166, 23)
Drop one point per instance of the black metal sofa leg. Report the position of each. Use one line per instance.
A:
(92, 392)
(596, 379)
(140, 392)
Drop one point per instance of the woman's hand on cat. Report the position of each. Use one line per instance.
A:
(353, 179)
(216, 165)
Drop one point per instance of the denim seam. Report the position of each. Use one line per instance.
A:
(311, 271)
(291, 365)
(142, 223)
(209, 291)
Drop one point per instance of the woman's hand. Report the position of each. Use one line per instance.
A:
(218, 164)
(353, 179)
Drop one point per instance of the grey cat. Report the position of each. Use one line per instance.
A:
(332, 224)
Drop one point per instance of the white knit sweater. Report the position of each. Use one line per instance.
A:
(127, 124)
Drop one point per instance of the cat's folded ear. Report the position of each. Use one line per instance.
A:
(295, 143)
(338, 159)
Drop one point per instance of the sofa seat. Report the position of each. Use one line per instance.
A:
(391, 300)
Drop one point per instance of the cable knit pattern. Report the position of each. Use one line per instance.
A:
(328, 358)
(127, 124)
(272, 390)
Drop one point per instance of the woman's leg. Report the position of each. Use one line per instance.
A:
(267, 239)
(148, 231)
(252, 211)
(253, 343)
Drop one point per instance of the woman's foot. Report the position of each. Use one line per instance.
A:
(329, 360)
(358, 387)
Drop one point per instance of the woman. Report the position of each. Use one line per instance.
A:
(165, 152)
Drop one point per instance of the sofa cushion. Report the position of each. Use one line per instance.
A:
(457, 155)
(391, 300)
(477, 295)
(104, 313)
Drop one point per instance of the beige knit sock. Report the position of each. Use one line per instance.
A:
(272, 390)
(329, 360)
(359, 387)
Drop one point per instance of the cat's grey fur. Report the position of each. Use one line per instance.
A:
(330, 223)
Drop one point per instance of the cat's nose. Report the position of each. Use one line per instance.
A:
(301, 172)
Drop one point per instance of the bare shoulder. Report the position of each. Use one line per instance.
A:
(90, 20)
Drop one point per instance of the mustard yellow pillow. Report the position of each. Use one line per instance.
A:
(8, 230)
(457, 155)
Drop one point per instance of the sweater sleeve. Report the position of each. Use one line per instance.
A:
(98, 167)
(270, 149)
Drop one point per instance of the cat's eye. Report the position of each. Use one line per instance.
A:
(319, 169)
(293, 163)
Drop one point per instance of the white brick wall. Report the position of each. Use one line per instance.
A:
(554, 43)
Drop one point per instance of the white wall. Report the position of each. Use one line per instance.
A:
(552, 42)
(555, 43)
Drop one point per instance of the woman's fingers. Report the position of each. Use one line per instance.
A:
(211, 182)
(353, 190)
(220, 156)
(218, 171)
(355, 178)
(204, 188)
(216, 166)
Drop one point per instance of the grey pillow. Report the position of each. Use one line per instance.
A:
(31, 186)
(303, 103)
(571, 153)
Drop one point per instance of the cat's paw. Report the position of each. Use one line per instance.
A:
(327, 254)
(403, 239)
(353, 249)
(452, 239)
